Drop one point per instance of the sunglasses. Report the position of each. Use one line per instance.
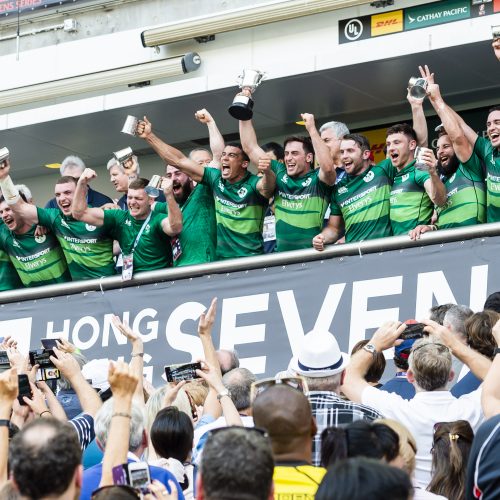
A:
(298, 383)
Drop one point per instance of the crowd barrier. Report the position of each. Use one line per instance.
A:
(265, 303)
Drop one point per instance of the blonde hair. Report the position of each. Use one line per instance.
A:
(155, 404)
(430, 362)
(407, 443)
(198, 391)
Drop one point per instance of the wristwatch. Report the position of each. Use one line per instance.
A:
(223, 393)
(371, 349)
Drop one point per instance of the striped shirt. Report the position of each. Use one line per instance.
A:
(84, 427)
(330, 410)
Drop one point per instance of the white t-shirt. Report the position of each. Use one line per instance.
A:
(420, 414)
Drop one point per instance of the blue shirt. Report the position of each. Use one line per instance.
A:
(465, 385)
(92, 478)
(399, 385)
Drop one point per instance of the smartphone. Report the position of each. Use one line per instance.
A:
(176, 373)
(24, 388)
(414, 331)
(47, 370)
(138, 475)
(49, 344)
(4, 362)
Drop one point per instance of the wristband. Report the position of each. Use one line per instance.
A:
(9, 191)
(137, 354)
(45, 411)
(121, 414)
(4, 423)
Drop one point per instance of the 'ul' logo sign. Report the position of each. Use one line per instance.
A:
(353, 29)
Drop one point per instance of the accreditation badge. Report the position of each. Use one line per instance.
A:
(128, 267)
(176, 248)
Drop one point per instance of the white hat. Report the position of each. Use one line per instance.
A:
(97, 371)
(319, 355)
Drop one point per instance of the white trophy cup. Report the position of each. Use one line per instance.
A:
(242, 107)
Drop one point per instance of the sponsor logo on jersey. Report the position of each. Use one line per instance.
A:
(90, 227)
(369, 176)
(16, 244)
(147, 229)
(342, 190)
(405, 177)
(64, 224)
(221, 186)
(307, 182)
(285, 178)
(242, 192)
(452, 178)
(40, 239)
(128, 223)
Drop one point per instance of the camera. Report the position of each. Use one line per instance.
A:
(47, 370)
(414, 331)
(176, 373)
(134, 474)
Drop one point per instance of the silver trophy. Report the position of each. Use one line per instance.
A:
(419, 162)
(123, 155)
(130, 125)
(154, 186)
(4, 155)
(495, 32)
(417, 87)
(242, 107)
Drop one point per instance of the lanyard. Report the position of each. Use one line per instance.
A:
(138, 237)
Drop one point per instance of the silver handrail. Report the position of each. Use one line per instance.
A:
(247, 263)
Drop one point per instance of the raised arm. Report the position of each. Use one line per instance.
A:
(171, 225)
(214, 135)
(330, 233)
(267, 182)
(88, 397)
(418, 118)
(249, 142)
(468, 132)
(461, 145)
(354, 381)
(123, 382)
(8, 393)
(79, 208)
(324, 155)
(19, 206)
(169, 154)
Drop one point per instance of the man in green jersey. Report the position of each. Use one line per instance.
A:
(240, 197)
(198, 240)
(360, 201)
(462, 173)
(88, 249)
(414, 192)
(487, 149)
(302, 193)
(38, 260)
(144, 237)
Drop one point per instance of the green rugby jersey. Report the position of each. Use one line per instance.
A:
(153, 251)
(9, 279)
(491, 157)
(466, 196)
(199, 229)
(38, 260)
(300, 204)
(88, 249)
(410, 205)
(239, 212)
(363, 202)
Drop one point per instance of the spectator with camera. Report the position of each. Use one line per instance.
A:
(429, 372)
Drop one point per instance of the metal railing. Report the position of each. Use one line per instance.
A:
(247, 263)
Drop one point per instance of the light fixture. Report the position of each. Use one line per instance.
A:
(203, 26)
(91, 82)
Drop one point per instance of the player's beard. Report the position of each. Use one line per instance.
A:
(451, 168)
(183, 195)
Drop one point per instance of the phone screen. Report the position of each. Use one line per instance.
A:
(49, 343)
(24, 388)
(176, 373)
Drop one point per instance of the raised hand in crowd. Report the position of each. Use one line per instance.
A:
(17, 359)
(8, 342)
(203, 116)
(205, 326)
(65, 345)
(69, 367)
(37, 403)
(8, 394)
(123, 383)
(137, 355)
(144, 128)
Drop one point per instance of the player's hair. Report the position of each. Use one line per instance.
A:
(402, 128)
(359, 139)
(305, 141)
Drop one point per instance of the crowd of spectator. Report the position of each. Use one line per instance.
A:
(325, 427)
(313, 191)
